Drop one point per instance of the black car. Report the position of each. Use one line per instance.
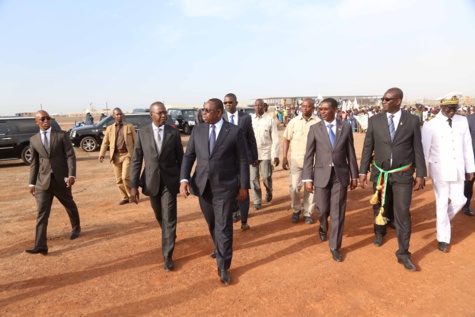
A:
(89, 138)
(15, 134)
(247, 110)
(184, 118)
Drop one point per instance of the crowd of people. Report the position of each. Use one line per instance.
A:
(232, 151)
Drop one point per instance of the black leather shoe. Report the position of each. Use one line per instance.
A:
(36, 250)
(236, 216)
(391, 225)
(224, 276)
(245, 226)
(123, 202)
(269, 198)
(407, 264)
(168, 265)
(444, 247)
(308, 220)
(295, 217)
(336, 255)
(322, 234)
(74, 234)
(468, 211)
(213, 254)
(378, 240)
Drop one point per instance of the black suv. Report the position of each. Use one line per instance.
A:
(89, 138)
(184, 118)
(15, 134)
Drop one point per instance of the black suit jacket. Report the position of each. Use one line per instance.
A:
(245, 123)
(471, 125)
(320, 151)
(406, 147)
(221, 167)
(61, 160)
(165, 167)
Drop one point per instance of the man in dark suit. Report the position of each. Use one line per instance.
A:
(394, 138)
(244, 122)
(221, 175)
(468, 186)
(159, 145)
(52, 173)
(329, 162)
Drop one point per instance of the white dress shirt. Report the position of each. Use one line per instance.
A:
(235, 118)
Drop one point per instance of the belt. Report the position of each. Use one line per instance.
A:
(121, 151)
(381, 188)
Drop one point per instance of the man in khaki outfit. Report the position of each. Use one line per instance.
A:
(295, 137)
(120, 138)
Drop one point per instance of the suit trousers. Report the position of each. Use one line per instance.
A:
(295, 188)
(165, 208)
(388, 211)
(331, 201)
(402, 215)
(121, 163)
(218, 212)
(44, 200)
(468, 192)
(446, 212)
(265, 167)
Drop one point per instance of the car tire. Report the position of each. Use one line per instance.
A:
(186, 129)
(89, 144)
(26, 155)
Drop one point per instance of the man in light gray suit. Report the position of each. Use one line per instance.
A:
(221, 175)
(52, 173)
(329, 162)
(159, 145)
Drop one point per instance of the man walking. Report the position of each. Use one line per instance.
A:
(295, 139)
(120, 138)
(268, 148)
(393, 140)
(449, 153)
(52, 174)
(159, 145)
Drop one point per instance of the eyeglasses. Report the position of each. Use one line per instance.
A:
(228, 102)
(160, 113)
(208, 110)
(452, 108)
(42, 119)
(388, 99)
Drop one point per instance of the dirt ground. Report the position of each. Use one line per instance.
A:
(115, 268)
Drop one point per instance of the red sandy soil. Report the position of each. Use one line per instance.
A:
(115, 268)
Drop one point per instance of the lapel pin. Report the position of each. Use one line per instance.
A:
(339, 129)
(401, 123)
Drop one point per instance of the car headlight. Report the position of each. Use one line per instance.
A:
(73, 134)
(176, 122)
(191, 122)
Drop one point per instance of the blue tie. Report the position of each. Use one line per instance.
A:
(212, 138)
(331, 134)
(232, 119)
(391, 127)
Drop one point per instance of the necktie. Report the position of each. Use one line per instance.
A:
(450, 122)
(391, 127)
(45, 141)
(331, 135)
(212, 138)
(232, 119)
(158, 141)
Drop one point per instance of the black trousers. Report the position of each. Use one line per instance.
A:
(218, 212)
(468, 192)
(401, 196)
(165, 208)
(44, 201)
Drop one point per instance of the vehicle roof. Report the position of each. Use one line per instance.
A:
(182, 109)
(18, 118)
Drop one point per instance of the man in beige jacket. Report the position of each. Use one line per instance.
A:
(120, 138)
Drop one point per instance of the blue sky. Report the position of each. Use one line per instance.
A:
(67, 54)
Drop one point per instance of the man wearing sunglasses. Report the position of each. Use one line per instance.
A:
(52, 174)
(448, 150)
(393, 140)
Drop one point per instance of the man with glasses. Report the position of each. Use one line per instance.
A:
(221, 175)
(159, 145)
(448, 150)
(52, 174)
(120, 138)
(244, 122)
(268, 149)
(393, 144)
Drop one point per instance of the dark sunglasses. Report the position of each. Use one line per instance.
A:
(228, 102)
(388, 99)
(42, 119)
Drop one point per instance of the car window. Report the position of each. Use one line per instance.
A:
(189, 114)
(3, 128)
(25, 126)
